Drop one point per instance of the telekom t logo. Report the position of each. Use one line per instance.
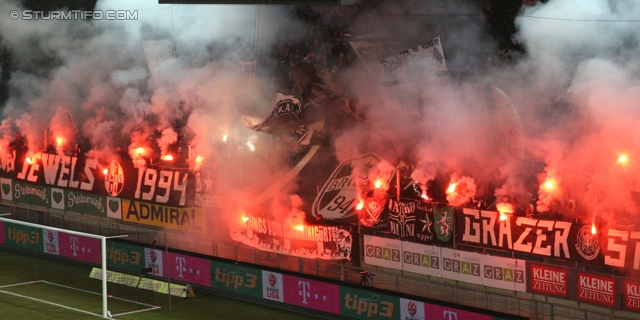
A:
(181, 265)
(450, 315)
(304, 290)
(74, 245)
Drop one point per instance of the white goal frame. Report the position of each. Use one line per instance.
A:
(103, 252)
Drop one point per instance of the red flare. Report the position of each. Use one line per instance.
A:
(168, 158)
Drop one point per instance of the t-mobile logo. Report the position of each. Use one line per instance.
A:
(304, 291)
(74, 245)
(450, 315)
(182, 267)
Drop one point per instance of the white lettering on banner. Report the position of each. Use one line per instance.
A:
(60, 171)
(8, 161)
(480, 228)
(596, 284)
(159, 185)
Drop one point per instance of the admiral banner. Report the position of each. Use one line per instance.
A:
(548, 280)
(191, 219)
(331, 242)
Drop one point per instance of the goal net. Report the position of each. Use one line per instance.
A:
(84, 272)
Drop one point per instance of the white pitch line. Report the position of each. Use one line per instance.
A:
(52, 303)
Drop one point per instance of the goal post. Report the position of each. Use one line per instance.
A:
(44, 255)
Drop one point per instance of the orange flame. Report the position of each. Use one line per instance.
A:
(424, 196)
(28, 160)
(378, 184)
(452, 188)
(593, 229)
(503, 216)
(360, 205)
(59, 140)
(140, 151)
(549, 184)
(622, 160)
(224, 138)
(198, 159)
(105, 171)
(299, 227)
(168, 158)
(245, 218)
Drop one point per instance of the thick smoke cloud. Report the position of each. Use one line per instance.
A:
(564, 110)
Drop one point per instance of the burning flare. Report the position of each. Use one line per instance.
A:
(299, 227)
(168, 158)
(549, 184)
(622, 160)
(251, 146)
(28, 160)
(224, 138)
(105, 171)
(139, 151)
(59, 141)
(505, 209)
(360, 205)
(198, 159)
(245, 219)
(593, 228)
(378, 184)
(452, 188)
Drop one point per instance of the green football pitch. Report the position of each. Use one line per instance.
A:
(22, 298)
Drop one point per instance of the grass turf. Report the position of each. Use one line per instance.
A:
(19, 268)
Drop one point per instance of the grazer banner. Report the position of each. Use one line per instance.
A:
(364, 304)
(597, 289)
(421, 258)
(236, 278)
(548, 280)
(311, 294)
(546, 238)
(189, 269)
(631, 294)
(383, 252)
(272, 286)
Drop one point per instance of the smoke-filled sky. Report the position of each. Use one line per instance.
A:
(564, 109)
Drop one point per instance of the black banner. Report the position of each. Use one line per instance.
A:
(178, 187)
(327, 242)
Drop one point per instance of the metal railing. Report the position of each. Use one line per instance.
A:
(523, 304)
